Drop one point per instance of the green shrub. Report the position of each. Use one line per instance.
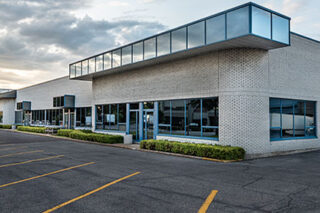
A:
(86, 130)
(4, 126)
(32, 129)
(90, 136)
(200, 150)
(64, 132)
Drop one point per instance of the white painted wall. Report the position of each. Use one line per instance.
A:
(7, 107)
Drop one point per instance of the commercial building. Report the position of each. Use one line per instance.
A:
(237, 78)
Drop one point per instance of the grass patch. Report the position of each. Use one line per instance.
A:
(32, 129)
(88, 135)
(200, 150)
(4, 126)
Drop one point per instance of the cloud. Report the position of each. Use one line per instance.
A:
(41, 37)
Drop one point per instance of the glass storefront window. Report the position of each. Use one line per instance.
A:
(178, 117)
(150, 48)
(193, 117)
(238, 22)
(179, 41)
(196, 35)
(163, 44)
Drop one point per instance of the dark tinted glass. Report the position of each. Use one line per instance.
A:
(178, 122)
(193, 116)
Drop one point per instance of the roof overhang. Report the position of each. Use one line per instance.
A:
(8, 95)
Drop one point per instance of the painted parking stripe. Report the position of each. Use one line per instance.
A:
(13, 148)
(30, 161)
(89, 193)
(208, 201)
(47, 174)
(19, 153)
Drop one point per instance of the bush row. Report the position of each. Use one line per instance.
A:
(89, 136)
(4, 126)
(32, 129)
(200, 150)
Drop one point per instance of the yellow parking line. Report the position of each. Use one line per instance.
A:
(20, 153)
(207, 202)
(30, 161)
(89, 193)
(47, 174)
(12, 148)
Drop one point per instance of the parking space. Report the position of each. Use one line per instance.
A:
(43, 174)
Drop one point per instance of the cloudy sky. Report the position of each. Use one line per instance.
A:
(39, 38)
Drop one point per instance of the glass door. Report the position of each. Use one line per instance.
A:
(134, 124)
(148, 125)
(66, 120)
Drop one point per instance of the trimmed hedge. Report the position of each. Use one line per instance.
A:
(32, 129)
(4, 126)
(200, 150)
(87, 136)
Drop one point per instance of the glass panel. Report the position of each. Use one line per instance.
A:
(216, 29)
(99, 63)
(178, 117)
(134, 106)
(163, 47)
(122, 117)
(210, 112)
(84, 67)
(210, 132)
(113, 117)
(287, 118)
(298, 107)
(164, 117)
(138, 52)
(106, 117)
(310, 118)
(126, 55)
(107, 61)
(179, 40)
(148, 105)
(193, 116)
(280, 29)
(72, 71)
(92, 65)
(78, 69)
(196, 35)
(150, 48)
(116, 58)
(261, 22)
(275, 112)
(99, 117)
(88, 117)
(238, 22)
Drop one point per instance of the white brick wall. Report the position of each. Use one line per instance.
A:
(7, 107)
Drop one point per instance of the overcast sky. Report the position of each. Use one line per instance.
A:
(39, 38)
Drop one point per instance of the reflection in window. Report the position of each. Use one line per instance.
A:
(177, 119)
(107, 61)
(99, 114)
(126, 55)
(83, 117)
(164, 117)
(92, 65)
(210, 117)
(85, 67)
(216, 29)
(72, 71)
(138, 52)
(150, 48)
(179, 40)
(78, 69)
(116, 58)
(163, 44)
(99, 63)
(238, 22)
(196, 35)
(280, 29)
(112, 117)
(291, 118)
(261, 22)
(193, 117)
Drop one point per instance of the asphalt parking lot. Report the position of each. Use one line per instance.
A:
(44, 174)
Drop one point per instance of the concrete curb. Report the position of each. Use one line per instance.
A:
(130, 147)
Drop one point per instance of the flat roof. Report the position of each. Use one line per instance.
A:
(248, 25)
(8, 95)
